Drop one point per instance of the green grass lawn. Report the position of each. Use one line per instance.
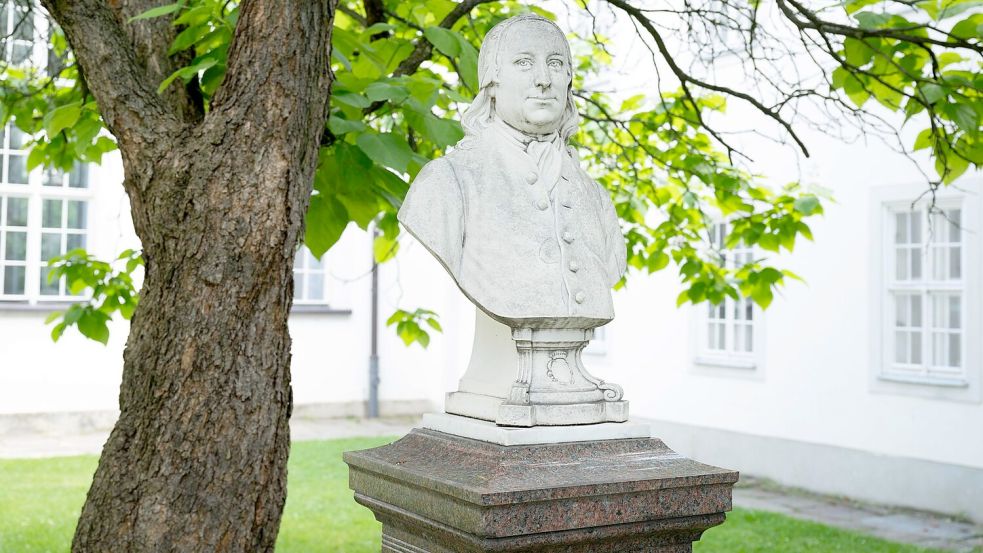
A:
(40, 500)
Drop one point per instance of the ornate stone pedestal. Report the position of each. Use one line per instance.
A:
(440, 493)
(533, 377)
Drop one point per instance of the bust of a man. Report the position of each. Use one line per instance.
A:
(527, 235)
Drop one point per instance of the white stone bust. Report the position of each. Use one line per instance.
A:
(527, 235)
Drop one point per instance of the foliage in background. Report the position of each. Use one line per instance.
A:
(110, 289)
(406, 71)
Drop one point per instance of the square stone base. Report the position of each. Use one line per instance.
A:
(439, 493)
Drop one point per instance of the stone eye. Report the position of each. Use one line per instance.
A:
(523, 62)
(556, 64)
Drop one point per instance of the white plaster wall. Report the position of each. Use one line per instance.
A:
(813, 385)
(330, 350)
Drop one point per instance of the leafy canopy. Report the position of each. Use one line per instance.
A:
(406, 70)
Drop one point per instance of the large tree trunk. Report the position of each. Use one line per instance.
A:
(197, 460)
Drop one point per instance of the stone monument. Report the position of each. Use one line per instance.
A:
(533, 453)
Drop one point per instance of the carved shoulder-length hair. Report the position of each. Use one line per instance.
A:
(479, 114)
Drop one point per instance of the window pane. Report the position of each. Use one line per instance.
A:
(712, 336)
(53, 177)
(20, 52)
(955, 351)
(901, 347)
(900, 228)
(916, 311)
(50, 245)
(17, 169)
(916, 264)
(939, 349)
(16, 212)
(901, 311)
(79, 176)
(955, 218)
(939, 267)
(76, 214)
(13, 280)
(955, 263)
(313, 263)
(748, 309)
(738, 337)
(916, 229)
(955, 312)
(916, 347)
(298, 285)
(74, 242)
(23, 25)
(16, 248)
(749, 338)
(721, 336)
(48, 288)
(51, 214)
(315, 284)
(901, 266)
(18, 138)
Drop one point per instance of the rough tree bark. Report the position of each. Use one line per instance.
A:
(197, 460)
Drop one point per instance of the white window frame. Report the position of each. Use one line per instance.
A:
(36, 193)
(730, 361)
(885, 375)
(305, 273)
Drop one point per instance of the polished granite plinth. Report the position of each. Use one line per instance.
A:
(440, 493)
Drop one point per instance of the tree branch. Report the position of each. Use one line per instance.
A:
(126, 93)
(269, 61)
(686, 79)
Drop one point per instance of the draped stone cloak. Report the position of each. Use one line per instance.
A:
(531, 250)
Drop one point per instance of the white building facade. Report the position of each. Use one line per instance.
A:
(865, 381)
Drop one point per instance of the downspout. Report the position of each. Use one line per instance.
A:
(373, 407)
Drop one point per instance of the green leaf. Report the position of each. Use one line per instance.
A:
(387, 149)
(384, 249)
(62, 117)
(444, 40)
(435, 325)
(965, 116)
(933, 92)
(326, 221)
(92, 325)
(158, 11)
(857, 52)
(762, 294)
(186, 73)
(386, 91)
(807, 205)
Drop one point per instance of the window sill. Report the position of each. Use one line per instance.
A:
(724, 362)
(314, 309)
(39, 307)
(940, 382)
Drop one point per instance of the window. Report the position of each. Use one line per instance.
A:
(926, 294)
(17, 20)
(309, 278)
(43, 214)
(728, 331)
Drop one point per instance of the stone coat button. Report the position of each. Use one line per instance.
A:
(580, 297)
(568, 237)
(532, 177)
(574, 267)
(542, 204)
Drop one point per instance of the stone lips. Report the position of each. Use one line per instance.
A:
(479, 494)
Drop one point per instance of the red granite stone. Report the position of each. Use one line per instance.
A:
(439, 493)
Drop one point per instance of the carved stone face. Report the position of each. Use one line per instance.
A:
(533, 79)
